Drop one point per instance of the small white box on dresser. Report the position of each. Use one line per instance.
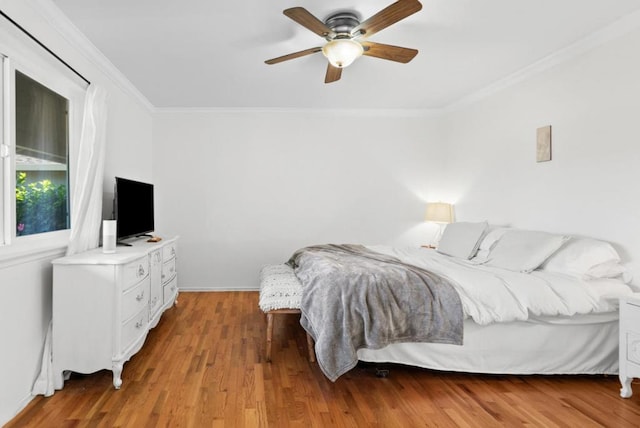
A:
(629, 342)
(105, 304)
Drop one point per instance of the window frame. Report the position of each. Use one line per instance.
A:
(4, 151)
(19, 53)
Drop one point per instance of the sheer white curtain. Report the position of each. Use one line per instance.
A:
(86, 203)
(86, 199)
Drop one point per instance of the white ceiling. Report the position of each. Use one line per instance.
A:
(210, 54)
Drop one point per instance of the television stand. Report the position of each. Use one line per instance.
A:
(130, 290)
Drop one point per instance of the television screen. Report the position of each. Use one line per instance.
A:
(133, 208)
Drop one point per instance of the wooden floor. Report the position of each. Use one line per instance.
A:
(203, 365)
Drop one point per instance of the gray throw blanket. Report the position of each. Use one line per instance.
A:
(356, 298)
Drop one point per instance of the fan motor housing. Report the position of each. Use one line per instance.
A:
(342, 22)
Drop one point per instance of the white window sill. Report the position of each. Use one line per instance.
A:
(31, 248)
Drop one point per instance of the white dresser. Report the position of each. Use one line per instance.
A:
(629, 342)
(105, 304)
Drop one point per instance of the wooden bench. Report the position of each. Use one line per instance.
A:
(280, 293)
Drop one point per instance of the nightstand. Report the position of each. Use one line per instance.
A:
(629, 358)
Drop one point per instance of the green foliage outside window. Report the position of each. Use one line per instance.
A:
(41, 206)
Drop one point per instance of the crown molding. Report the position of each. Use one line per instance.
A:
(61, 23)
(355, 112)
(610, 32)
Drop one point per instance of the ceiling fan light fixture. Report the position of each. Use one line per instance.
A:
(342, 52)
(343, 32)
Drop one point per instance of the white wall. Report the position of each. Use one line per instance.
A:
(25, 311)
(25, 307)
(247, 188)
(129, 145)
(591, 185)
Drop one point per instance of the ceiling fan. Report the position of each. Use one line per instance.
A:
(345, 36)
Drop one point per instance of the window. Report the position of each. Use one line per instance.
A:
(40, 122)
(41, 158)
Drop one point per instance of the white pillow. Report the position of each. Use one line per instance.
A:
(609, 270)
(461, 239)
(524, 250)
(586, 258)
(481, 257)
(487, 243)
(491, 238)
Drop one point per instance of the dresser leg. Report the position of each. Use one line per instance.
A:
(117, 375)
(625, 391)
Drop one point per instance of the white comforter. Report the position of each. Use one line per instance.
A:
(491, 295)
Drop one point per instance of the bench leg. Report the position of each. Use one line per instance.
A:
(269, 335)
(270, 321)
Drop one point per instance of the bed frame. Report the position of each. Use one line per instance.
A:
(586, 344)
(583, 345)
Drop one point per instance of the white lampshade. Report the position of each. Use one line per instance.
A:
(439, 212)
(342, 52)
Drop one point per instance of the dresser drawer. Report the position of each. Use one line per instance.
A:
(633, 347)
(630, 317)
(169, 251)
(135, 298)
(135, 271)
(133, 328)
(168, 270)
(170, 290)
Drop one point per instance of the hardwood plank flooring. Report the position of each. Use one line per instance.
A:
(204, 366)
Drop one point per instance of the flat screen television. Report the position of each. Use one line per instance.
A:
(133, 208)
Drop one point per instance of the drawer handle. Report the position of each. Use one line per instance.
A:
(173, 251)
(139, 324)
(140, 296)
(140, 271)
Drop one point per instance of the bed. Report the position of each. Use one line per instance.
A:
(531, 303)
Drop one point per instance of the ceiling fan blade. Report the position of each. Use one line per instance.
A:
(293, 55)
(333, 74)
(303, 17)
(390, 52)
(386, 17)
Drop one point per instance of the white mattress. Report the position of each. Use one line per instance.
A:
(583, 344)
(517, 323)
